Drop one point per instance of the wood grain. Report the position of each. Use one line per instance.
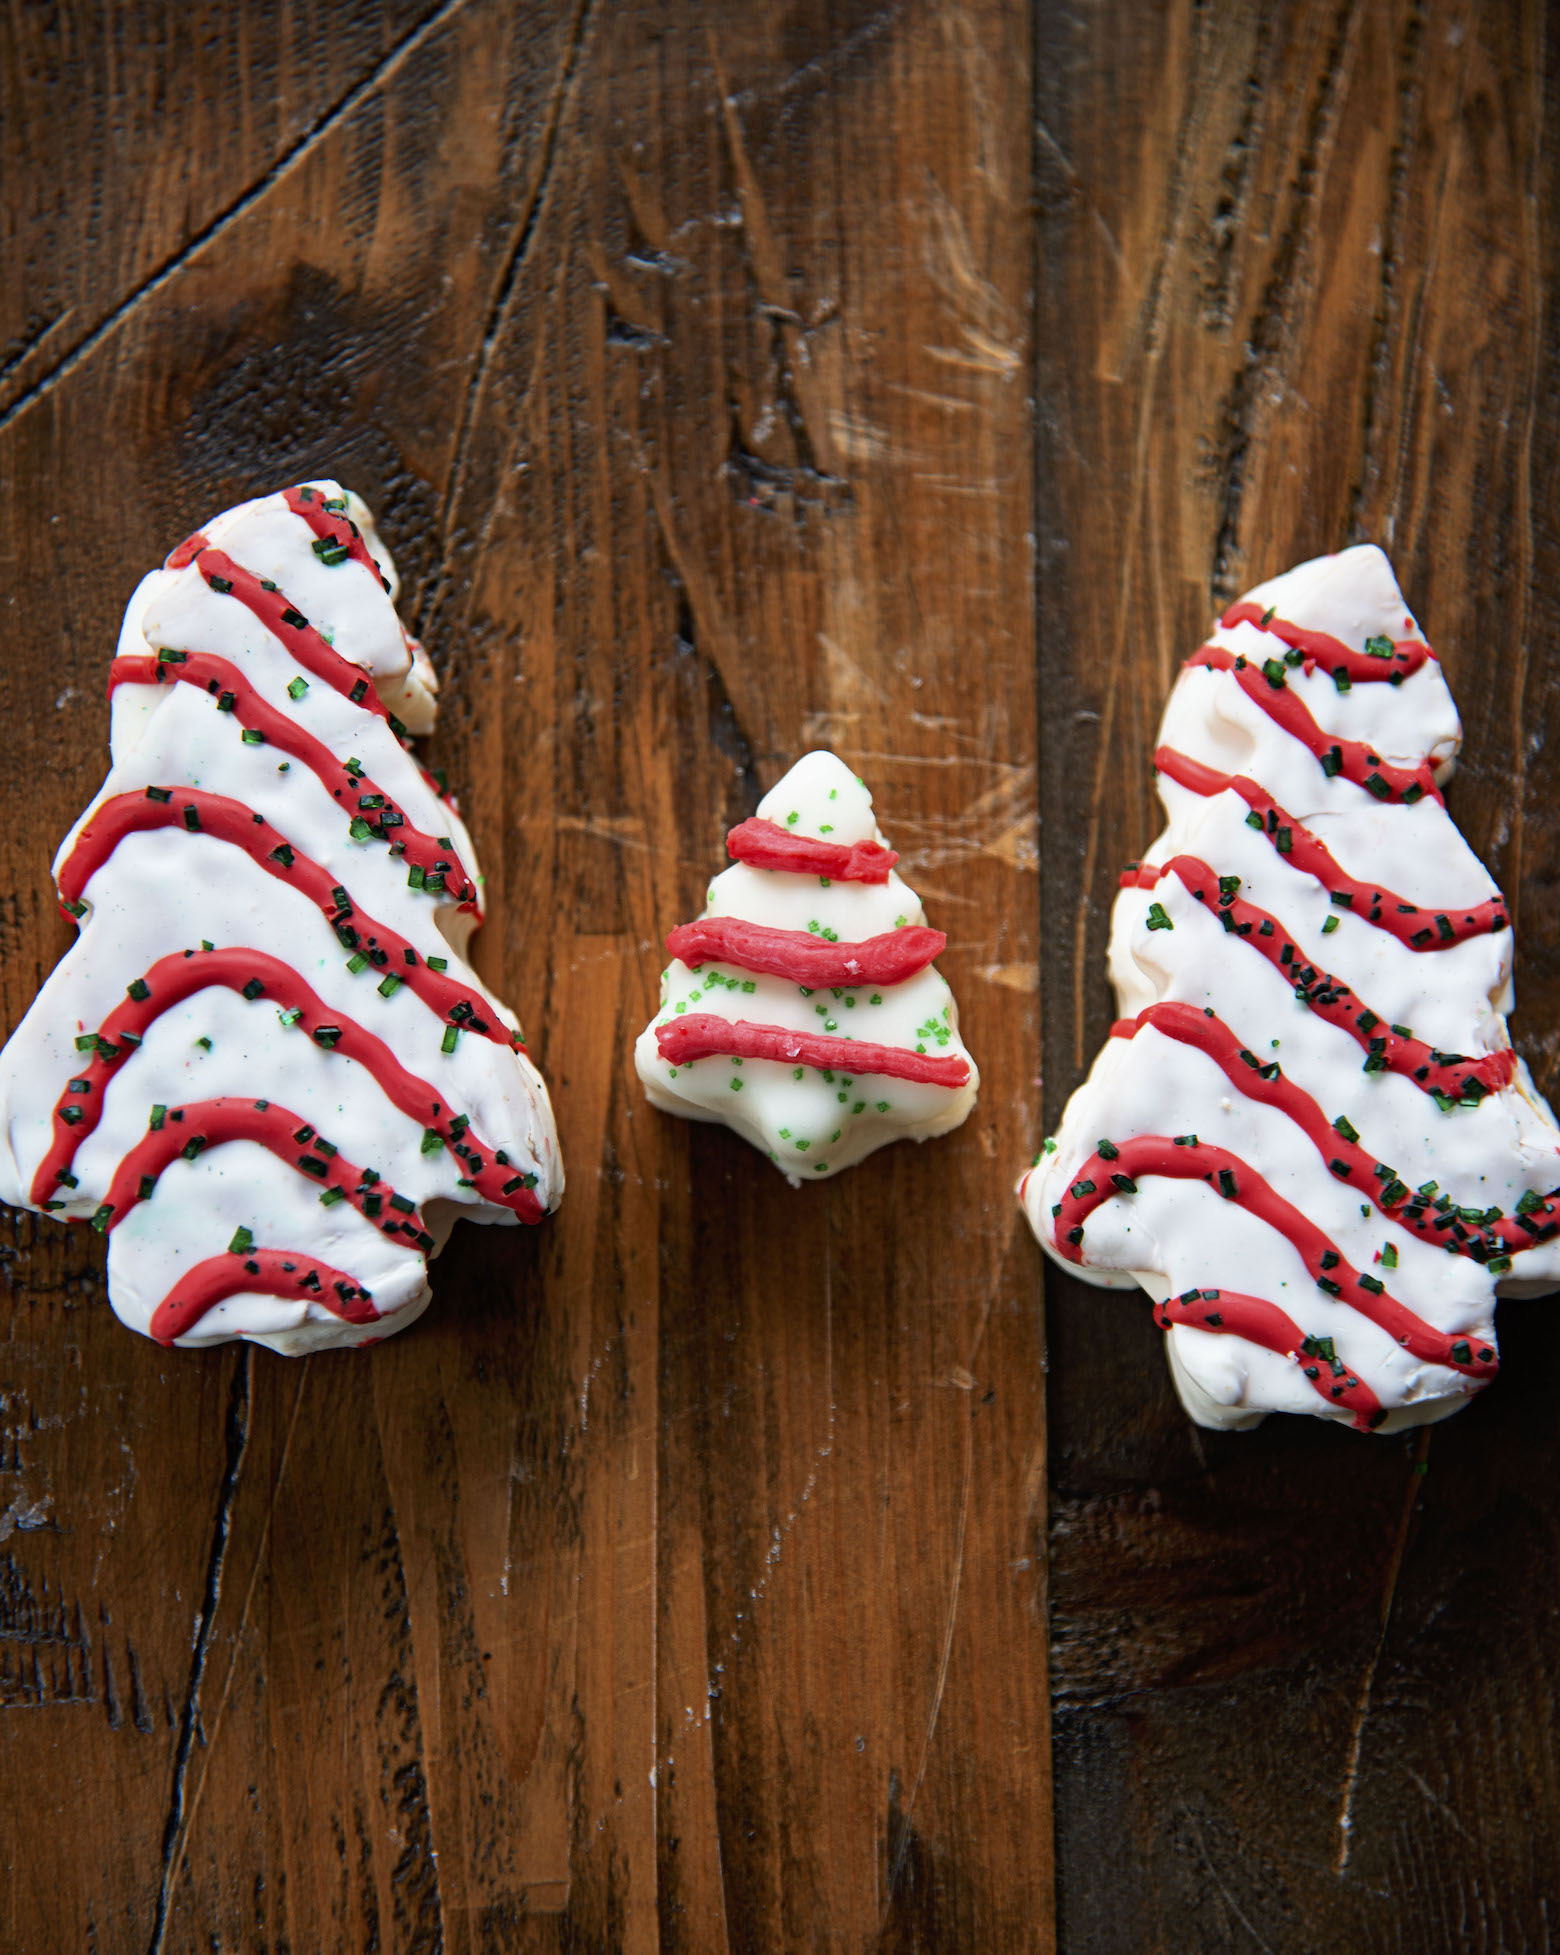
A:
(678, 1584)
(905, 378)
(1303, 296)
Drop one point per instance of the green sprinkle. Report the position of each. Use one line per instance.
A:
(357, 962)
(330, 1196)
(1329, 925)
(159, 1115)
(139, 989)
(432, 1140)
(243, 1241)
(100, 1220)
(438, 963)
(389, 985)
(252, 737)
(1389, 1256)
(1157, 917)
(451, 1035)
(1378, 647)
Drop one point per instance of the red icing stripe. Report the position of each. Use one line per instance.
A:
(1327, 996)
(262, 1272)
(185, 553)
(194, 809)
(332, 525)
(1353, 759)
(1417, 926)
(213, 1123)
(1099, 1179)
(284, 620)
(803, 957)
(1231, 1313)
(702, 1035)
(1361, 1171)
(173, 979)
(1321, 648)
(251, 709)
(766, 845)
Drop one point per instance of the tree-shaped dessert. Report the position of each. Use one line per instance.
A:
(1308, 1137)
(803, 1008)
(265, 1070)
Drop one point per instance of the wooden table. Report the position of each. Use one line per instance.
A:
(909, 379)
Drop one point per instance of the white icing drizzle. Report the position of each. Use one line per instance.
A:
(166, 890)
(812, 1126)
(1178, 1235)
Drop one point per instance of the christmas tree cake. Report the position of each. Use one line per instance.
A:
(264, 1070)
(1308, 1137)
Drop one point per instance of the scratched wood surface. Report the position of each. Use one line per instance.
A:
(916, 380)
(1302, 294)
(679, 1582)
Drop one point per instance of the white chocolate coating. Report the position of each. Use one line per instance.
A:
(812, 1126)
(166, 890)
(1171, 1234)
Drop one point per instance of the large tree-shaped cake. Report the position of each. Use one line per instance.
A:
(264, 1070)
(803, 1008)
(1308, 1137)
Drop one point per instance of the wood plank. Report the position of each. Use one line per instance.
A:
(1298, 293)
(659, 1590)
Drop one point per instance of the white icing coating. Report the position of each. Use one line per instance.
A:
(165, 890)
(812, 1126)
(1170, 1235)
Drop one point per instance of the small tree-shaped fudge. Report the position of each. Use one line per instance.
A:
(803, 1008)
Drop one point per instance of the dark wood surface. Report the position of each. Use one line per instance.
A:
(1301, 294)
(679, 1583)
(905, 378)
